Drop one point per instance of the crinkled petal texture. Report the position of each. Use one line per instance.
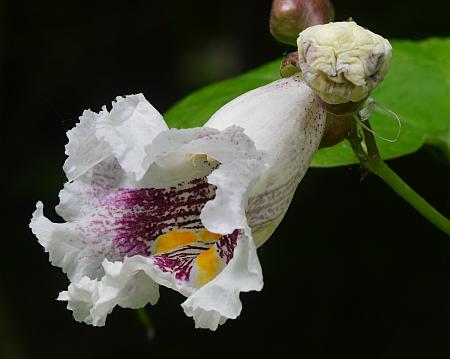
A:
(124, 131)
(343, 61)
(146, 205)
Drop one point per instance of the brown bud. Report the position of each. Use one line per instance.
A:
(336, 128)
(339, 119)
(289, 65)
(290, 17)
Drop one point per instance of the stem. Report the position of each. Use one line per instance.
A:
(372, 161)
(355, 142)
(383, 171)
(372, 149)
(145, 320)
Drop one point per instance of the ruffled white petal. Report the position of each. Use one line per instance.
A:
(170, 149)
(84, 150)
(130, 284)
(132, 123)
(125, 284)
(226, 212)
(219, 300)
(80, 296)
(78, 252)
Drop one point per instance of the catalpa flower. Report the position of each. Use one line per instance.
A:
(146, 205)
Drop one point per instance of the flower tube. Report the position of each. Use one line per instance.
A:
(146, 205)
(285, 121)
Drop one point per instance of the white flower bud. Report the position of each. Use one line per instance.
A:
(342, 61)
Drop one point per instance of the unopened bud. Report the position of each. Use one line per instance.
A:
(289, 17)
(336, 129)
(342, 62)
(289, 65)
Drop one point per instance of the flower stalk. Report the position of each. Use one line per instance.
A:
(372, 162)
(146, 322)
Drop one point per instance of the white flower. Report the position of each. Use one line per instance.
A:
(147, 205)
(342, 61)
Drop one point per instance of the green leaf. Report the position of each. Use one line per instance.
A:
(417, 88)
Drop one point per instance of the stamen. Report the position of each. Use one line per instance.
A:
(198, 159)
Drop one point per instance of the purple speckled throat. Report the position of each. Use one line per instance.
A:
(139, 217)
(151, 212)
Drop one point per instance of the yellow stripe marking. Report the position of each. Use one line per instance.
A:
(209, 263)
(173, 240)
(207, 236)
(209, 266)
(179, 238)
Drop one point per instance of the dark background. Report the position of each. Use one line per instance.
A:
(351, 272)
